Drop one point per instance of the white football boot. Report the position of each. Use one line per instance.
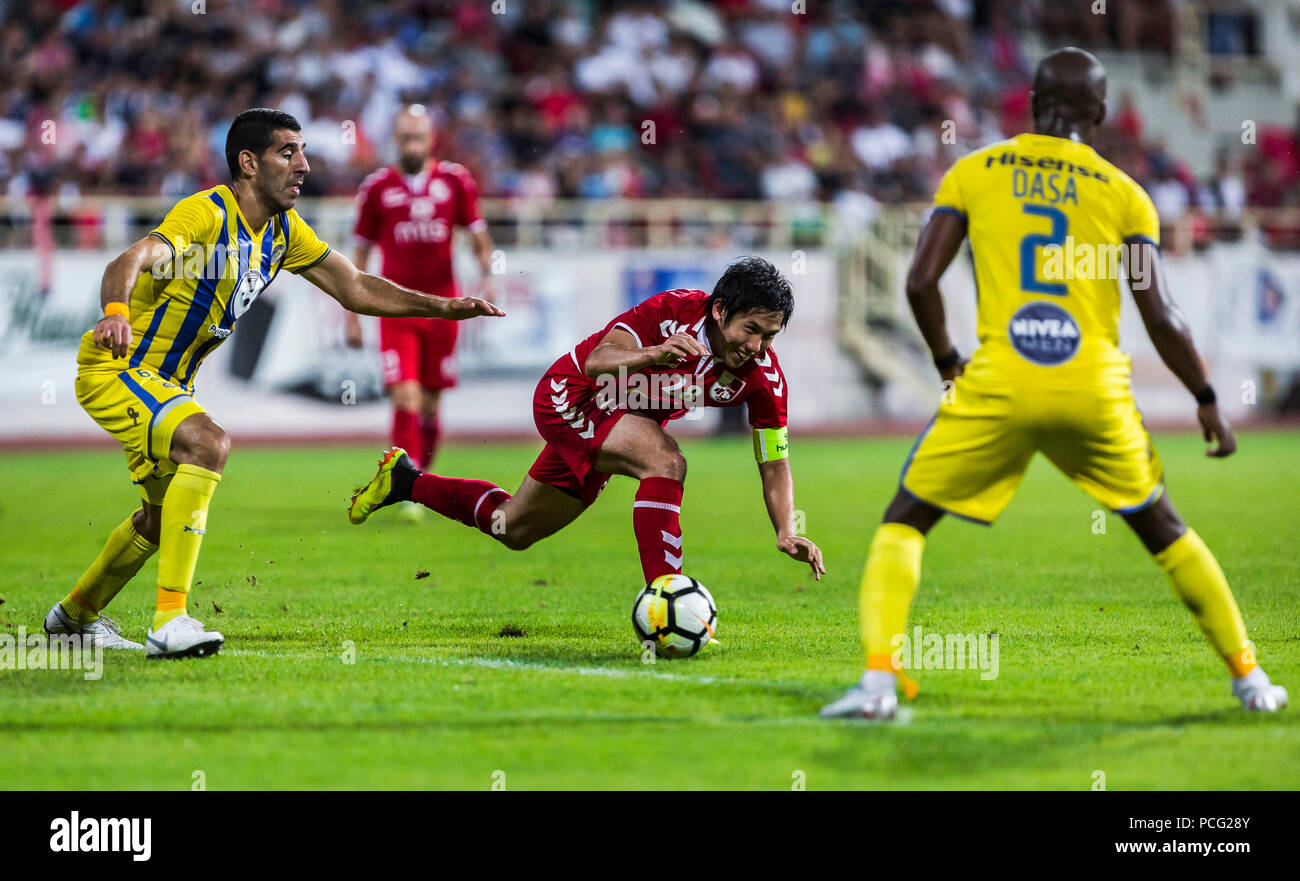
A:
(103, 632)
(875, 696)
(1257, 694)
(182, 637)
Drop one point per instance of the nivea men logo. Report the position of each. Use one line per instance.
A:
(76, 834)
(1044, 333)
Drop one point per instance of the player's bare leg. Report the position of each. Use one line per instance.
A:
(889, 583)
(199, 447)
(148, 521)
(533, 513)
(1200, 584)
(638, 447)
(129, 547)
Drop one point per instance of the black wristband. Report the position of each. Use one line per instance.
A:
(952, 359)
(1206, 396)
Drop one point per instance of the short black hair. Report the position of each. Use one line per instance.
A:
(252, 130)
(751, 283)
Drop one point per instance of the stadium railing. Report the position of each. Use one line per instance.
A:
(870, 252)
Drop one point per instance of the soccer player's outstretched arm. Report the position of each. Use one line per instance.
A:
(778, 493)
(114, 330)
(939, 242)
(369, 294)
(1169, 333)
(352, 324)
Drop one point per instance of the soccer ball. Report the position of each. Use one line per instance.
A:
(676, 614)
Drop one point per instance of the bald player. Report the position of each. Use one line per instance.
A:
(409, 212)
(1048, 375)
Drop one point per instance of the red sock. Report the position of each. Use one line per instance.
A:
(655, 518)
(471, 502)
(430, 434)
(406, 434)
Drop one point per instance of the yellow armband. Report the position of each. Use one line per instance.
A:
(116, 308)
(771, 444)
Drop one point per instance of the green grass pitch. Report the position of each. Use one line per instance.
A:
(1101, 669)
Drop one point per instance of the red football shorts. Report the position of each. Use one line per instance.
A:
(418, 349)
(574, 429)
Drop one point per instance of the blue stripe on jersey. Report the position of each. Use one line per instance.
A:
(142, 348)
(245, 246)
(228, 320)
(203, 294)
(199, 354)
(268, 244)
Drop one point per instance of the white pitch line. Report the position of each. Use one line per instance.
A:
(506, 664)
(904, 713)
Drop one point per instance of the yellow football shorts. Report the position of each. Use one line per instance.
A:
(971, 457)
(141, 410)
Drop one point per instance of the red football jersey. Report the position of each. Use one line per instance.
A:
(411, 218)
(664, 392)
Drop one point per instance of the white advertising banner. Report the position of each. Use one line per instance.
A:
(303, 381)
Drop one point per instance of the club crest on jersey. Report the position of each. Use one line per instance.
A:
(726, 388)
(439, 190)
(250, 285)
(1044, 333)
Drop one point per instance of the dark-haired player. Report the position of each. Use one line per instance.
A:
(1049, 375)
(169, 300)
(602, 409)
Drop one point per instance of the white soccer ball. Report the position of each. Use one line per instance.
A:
(676, 615)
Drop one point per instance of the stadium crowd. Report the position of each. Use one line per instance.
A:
(733, 99)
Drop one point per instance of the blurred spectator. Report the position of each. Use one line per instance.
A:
(861, 103)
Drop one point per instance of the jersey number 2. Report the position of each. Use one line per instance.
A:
(1030, 244)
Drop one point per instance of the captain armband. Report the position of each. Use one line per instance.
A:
(771, 444)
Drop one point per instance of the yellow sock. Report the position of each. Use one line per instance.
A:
(184, 519)
(123, 555)
(1200, 584)
(888, 584)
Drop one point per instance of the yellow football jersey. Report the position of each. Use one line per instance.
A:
(181, 311)
(1047, 220)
